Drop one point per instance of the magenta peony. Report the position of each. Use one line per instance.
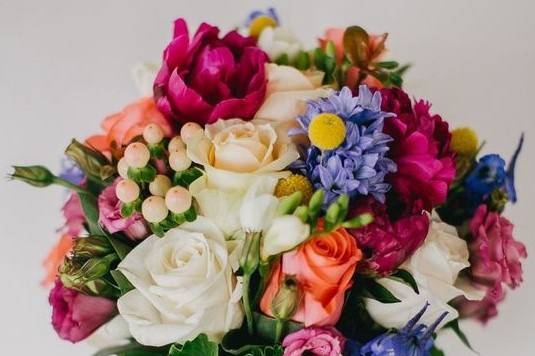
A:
(75, 316)
(421, 151)
(208, 78)
(314, 341)
(494, 253)
(387, 243)
(110, 217)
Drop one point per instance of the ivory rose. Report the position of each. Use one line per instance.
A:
(235, 152)
(184, 286)
(324, 268)
(288, 91)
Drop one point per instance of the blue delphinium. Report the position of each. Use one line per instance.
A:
(490, 174)
(413, 340)
(358, 165)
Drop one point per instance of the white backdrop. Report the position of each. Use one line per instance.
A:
(64, 65)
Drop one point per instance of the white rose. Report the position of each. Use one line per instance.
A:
(278, 41)
(184, 286)
(235, 153)
(435, 267)
(114, 333)
(287, 93)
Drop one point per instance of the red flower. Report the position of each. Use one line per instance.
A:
(208, 78)
(421, 151)
(386, 243)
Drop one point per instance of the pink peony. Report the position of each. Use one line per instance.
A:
(388, 243)
(110, 217)
(421, 151)
(484, 309)
(74, 216)
(75, 316)
(494, 253)
(208, 78)
(325, 341)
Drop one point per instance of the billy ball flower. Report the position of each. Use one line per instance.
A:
(294, 183)
(348, 146)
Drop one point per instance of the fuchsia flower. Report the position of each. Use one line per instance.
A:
(208, 78)
(74, 216)
(110, 217)
(421, 151)
(325, 341)
(75, 316)
(484, 309)
(388, 243)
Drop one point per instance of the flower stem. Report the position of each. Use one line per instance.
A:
(65, 183)
(247, 303)
(279, 326)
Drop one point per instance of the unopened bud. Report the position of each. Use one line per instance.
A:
(287, 300)
(91, 246)
(89, 160)
(289, 203)
(250, 257)
(38, 176)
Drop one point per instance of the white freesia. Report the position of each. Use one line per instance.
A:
(144, 74)
(235, 153)
(279, 41)
(287, 93)
(184, 286)
(285, 233)
(435, 267)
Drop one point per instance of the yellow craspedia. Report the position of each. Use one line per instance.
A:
(464, 141)
(327, 131)
(294, 183)
(259, 24)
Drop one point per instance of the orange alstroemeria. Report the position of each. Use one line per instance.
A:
(122, 127)
(55, 258)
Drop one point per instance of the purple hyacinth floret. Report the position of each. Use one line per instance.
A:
(358, 166)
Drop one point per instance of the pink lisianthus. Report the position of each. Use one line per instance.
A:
(75, 316)
(421, 151)
(326, 341)
(484, 309)
(74, 215)
(494, 253)
(206, 78)
(109, 207)
(388, 243)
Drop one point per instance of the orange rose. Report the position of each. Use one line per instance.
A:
(324, 268)
(121, 128)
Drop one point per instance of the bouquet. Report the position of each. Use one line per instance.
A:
(267, 199)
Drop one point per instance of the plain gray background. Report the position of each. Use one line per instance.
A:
(65, 65)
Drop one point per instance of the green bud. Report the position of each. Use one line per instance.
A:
(250, 257)
(97, 267)
(359, 221)
(142, 175)
(332, 216)
(302, 62)
(343, 202)
(289, 203)
(316, 202)
(107, 171)
(89, 160)
(38, 176)
(302, 213)
(91, 246)
(287, 300)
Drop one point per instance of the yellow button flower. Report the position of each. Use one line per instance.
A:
(464, 141)
(294, 183)
(259, 24)
(327, 131)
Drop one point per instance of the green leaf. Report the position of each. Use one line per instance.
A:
(454, 325)
(265, 327)
(122, 282)
(238, 342)
(356, 45)
(133, 349)
(199, 346)
(379, 292)
(388, 64)
(406, 277)
(435, 351)
(185, 178)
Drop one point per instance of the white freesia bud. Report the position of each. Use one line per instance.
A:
(285, 233)
(278, 41)
(259, 205)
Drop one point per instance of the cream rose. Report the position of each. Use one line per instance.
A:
(287, 93)
(435, 267)
(279, 41)
(235, 152)
(184, 286)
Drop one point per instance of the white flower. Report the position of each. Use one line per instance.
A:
(287, 93)
(235, 153)
(435, 267)
(144, 74)
(184, 286)
(285, 233)
(278, 41)
(259, 205)
(115, 332)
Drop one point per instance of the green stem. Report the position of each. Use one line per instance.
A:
(279, 327)
(247, 303)
(65, 183)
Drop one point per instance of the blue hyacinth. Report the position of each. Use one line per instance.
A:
(358, 166)
(413, 340)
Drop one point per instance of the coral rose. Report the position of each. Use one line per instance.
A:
(208, 78)
(122, 127)
(324, 268)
